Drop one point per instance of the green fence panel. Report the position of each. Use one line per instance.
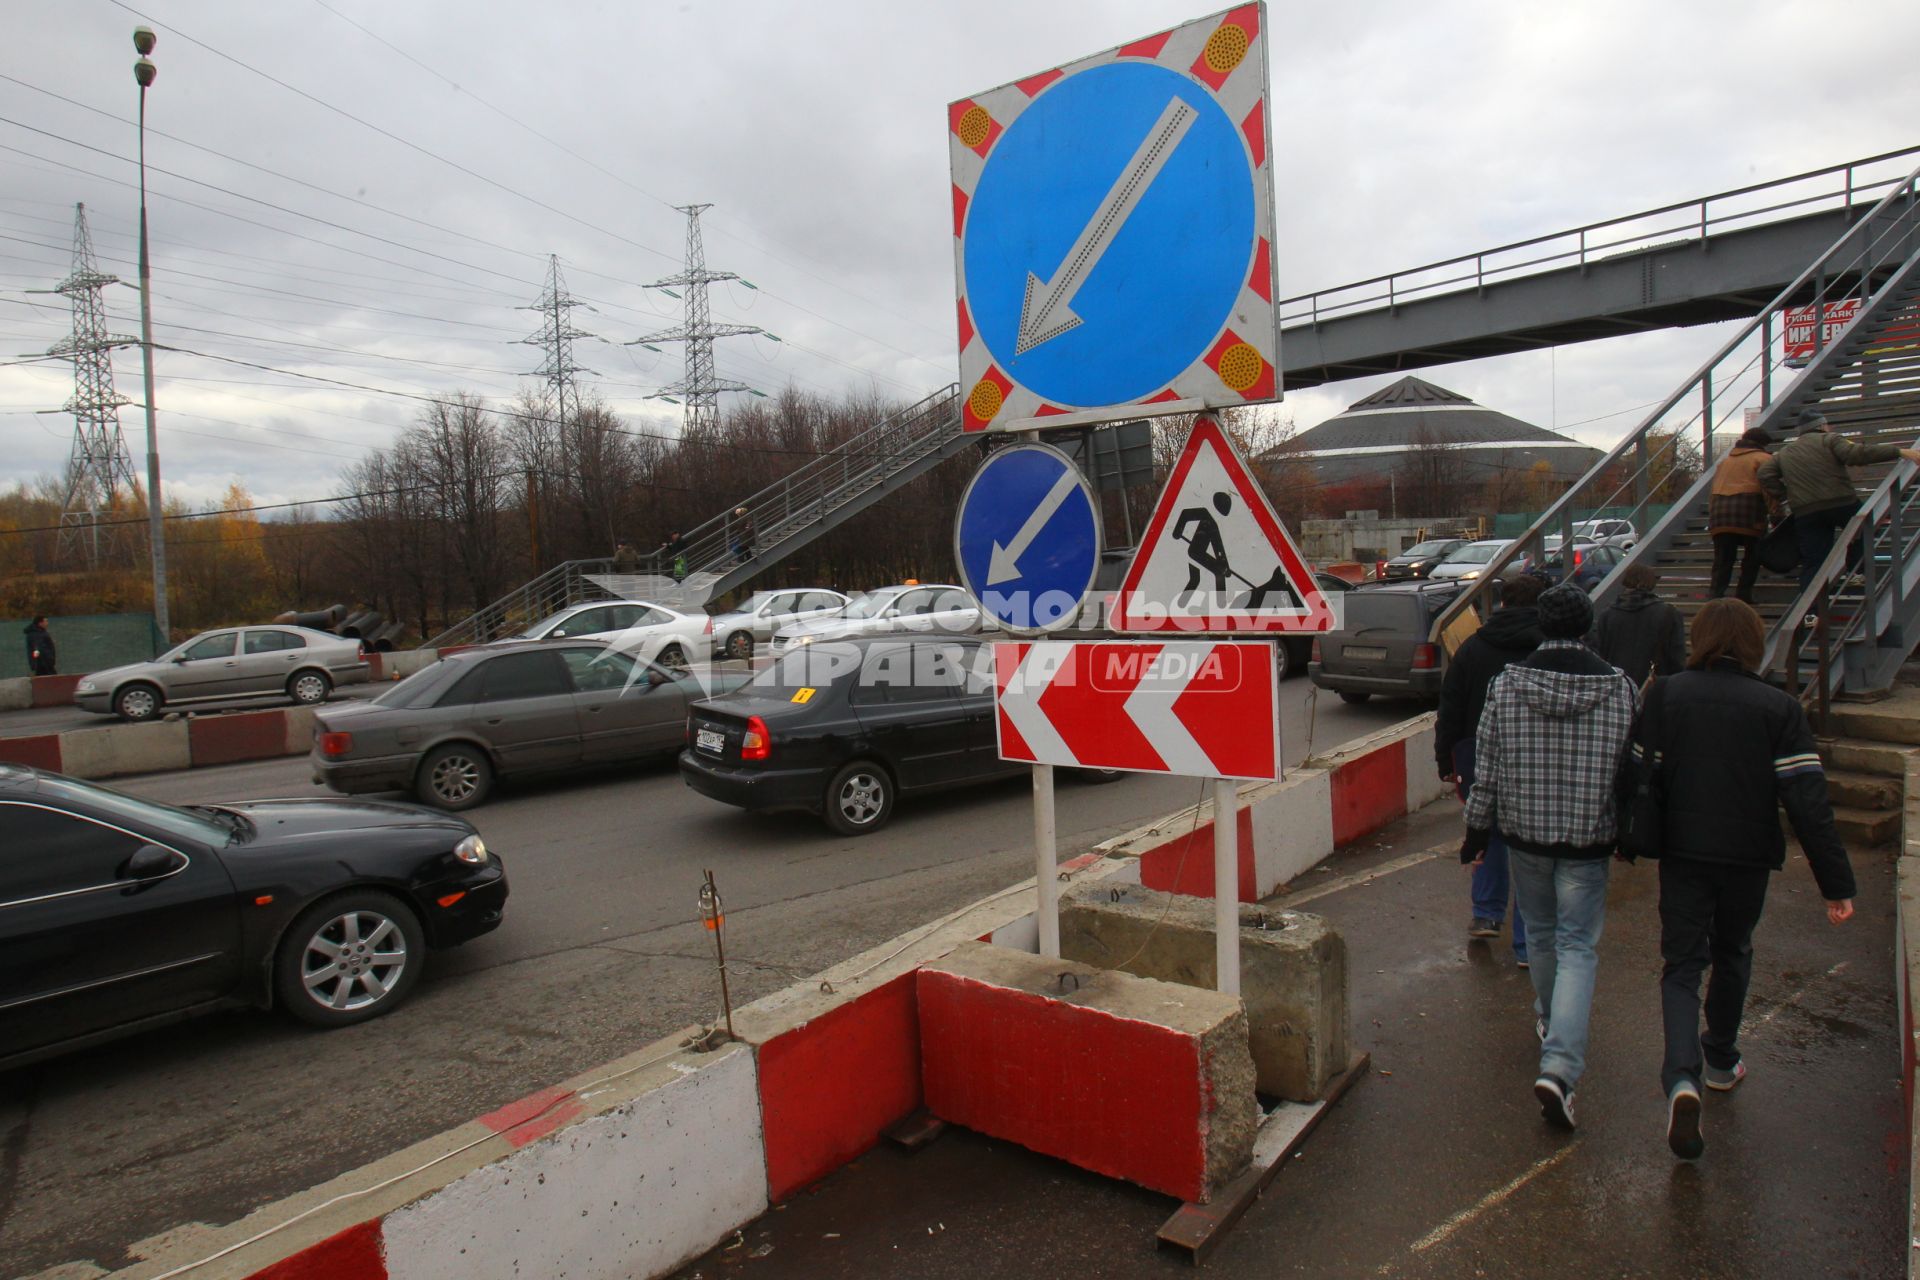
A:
(85, 642)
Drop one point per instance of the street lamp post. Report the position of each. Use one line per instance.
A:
(143, 73)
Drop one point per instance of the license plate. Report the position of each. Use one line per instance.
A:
(710, 740)
(1364, 652)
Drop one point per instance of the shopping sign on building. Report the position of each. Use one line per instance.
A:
(1798, 337)
(1215, 557)
(1199, 708)
(1113, 232)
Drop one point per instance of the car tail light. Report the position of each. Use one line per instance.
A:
(1576, 557)
(335, 744)
(756, 743)
(1426, 656)
(709, 627)
(1379, 568)
(1315, 656)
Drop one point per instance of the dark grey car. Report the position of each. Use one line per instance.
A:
(1382, 646)
(449, 732)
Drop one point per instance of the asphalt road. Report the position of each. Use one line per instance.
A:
(36, 720)
(601, 952)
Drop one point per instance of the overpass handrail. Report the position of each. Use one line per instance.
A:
(1399, 286)
(1842, 269)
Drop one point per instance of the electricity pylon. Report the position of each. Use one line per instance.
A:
(700, 388)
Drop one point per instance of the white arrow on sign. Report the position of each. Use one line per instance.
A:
(1046, 312)
(1003, 565)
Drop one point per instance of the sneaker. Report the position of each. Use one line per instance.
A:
(1522, 962)
(1556, 1101)
(1724, 1081)
(1540, 1029)
(1683, 1122)
(1481, 927)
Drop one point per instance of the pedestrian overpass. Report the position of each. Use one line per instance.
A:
(1731, 255)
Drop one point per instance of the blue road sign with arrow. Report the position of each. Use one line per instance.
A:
(1027, 539)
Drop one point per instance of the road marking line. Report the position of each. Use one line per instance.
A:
(1370, 874)
(1442, 1233)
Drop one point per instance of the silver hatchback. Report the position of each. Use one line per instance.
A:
(222, 666)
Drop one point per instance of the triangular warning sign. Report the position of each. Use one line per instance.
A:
(1215, 558)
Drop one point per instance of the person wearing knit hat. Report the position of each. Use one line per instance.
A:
(1547, 752)
(1809, 474)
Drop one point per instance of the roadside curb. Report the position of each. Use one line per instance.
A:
(633, 1168)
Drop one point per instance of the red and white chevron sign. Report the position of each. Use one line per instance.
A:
(1200, 708)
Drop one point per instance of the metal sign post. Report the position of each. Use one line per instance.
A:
(1226, 887)
(1046, 872)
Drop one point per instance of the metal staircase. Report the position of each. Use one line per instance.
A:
(815, 498)
(1867, 382)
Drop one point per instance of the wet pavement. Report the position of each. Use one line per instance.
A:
(1438, 1164)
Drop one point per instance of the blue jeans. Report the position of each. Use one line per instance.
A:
(1490, 882)
(1564, 902)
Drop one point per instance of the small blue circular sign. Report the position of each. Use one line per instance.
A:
(1027, 539)
(1152, 287)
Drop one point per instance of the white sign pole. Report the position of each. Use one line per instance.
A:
(1046, 870)
(1226, 887)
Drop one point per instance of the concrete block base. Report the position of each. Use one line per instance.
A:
(1293, 972)
(1125, 1076)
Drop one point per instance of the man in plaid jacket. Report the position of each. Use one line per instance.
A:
(1547, 753)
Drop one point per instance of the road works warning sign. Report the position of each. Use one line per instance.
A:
(1215, 558)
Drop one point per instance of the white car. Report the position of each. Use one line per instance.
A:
(1607, 533)
(909, 607)
(765, 612)
(649, 632)
(1470, 561)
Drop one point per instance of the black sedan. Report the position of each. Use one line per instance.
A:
(1420, 559)
(118, 914)
(843, 728)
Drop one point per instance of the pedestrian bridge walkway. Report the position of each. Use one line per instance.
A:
(1438, 1164)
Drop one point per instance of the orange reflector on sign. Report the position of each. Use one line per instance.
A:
(452, 898)
(265, 899)
(714, 922)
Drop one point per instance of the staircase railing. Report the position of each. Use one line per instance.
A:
(806, 494)
(1844, 186)
(1740, 374)
(565, 584)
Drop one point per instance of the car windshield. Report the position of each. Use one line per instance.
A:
(756, 602)
(204, 823)
(1433, 548)
(871, 605)
(1476, 553)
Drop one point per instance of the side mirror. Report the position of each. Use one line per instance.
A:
(180, 660)
(150, 862)
(558, 633)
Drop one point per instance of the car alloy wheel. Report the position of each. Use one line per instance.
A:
(349, 958)
(740, 645)
(455, 777)
(674, 658)
(859, 799)
(309, 688)
(137, 702)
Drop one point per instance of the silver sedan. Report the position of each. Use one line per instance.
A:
(220, 666)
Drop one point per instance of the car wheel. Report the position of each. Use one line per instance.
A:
(674, 658)
(309, 688)
(740, 645)
(1356, 698)
(1099, 777)
(137, 702)
(349, 958)
(859, 799)
(454, 777)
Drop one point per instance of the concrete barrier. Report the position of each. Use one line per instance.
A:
(1130, 1077)
(53, 691)
(237, 736)
(42, 751)
(1289, 826)
(16, 693)
(113, 750)
(1293, 972)
(401, 663)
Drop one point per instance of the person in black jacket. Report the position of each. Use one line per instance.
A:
(40, 651)
(1729, 750)
(1640, 633)
(1512, 633)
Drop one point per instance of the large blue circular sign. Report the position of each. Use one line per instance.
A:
(1027, 539)
(1151, 285)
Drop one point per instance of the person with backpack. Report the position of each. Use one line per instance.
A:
(1511, 633)
(1640, 633)
(1809, 474)
(1728, 752)
(1547, 757)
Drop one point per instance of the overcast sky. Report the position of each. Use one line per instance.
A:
(392, 250)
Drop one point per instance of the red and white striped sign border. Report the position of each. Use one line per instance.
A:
(1199, 708)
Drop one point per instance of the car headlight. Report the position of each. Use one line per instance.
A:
(85, 686)
(1471, 573)
(473, 849)
(797, 641)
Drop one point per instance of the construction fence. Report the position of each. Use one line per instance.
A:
(84, 642)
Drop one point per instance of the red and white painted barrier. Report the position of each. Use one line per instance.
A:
(634, 1168)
